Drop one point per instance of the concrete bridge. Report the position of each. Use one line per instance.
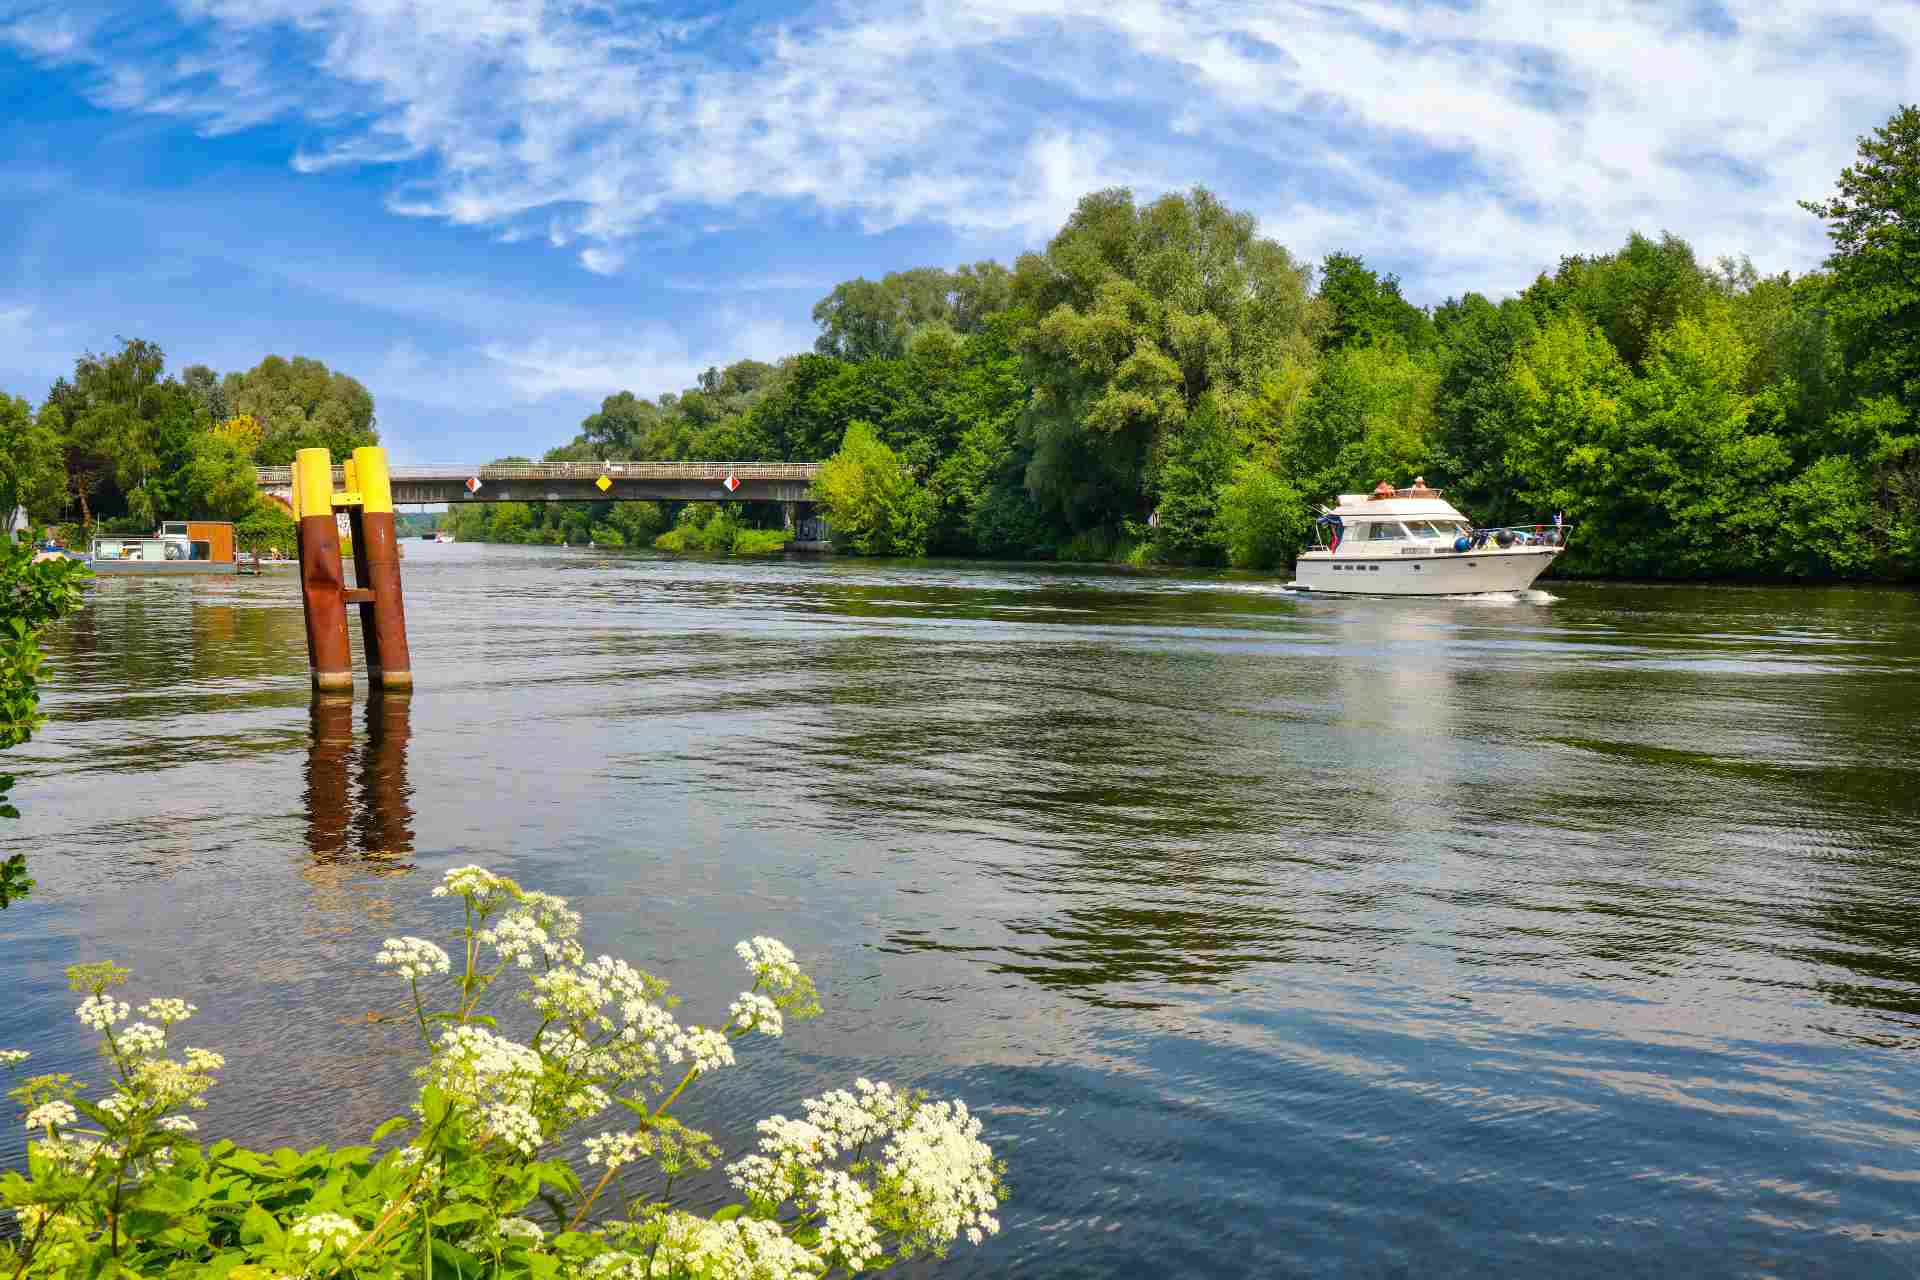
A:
(785, 482)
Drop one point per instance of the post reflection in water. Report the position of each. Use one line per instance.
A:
(359, 802)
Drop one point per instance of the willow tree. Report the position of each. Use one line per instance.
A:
(1140, 314)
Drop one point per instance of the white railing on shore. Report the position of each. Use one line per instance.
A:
(282, 477)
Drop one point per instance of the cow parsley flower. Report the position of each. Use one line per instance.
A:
(13, 1057)
(166, 1010)
(142, 1038)
(319, 1232)
(177, 1124)
(516, 938)
(755, 1012)
(615, 1149)
(476, 1066)
(487, 891)
(615, 1265)
(205, 1060)
(515, 1125)
(101, 1012)
(52, 1115)
(520, 1229)
(846, 1227)
(770, 961)
(944, 1171)
(709, 1049)
(412, 957)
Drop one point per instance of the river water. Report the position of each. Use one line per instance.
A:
(1271, 935)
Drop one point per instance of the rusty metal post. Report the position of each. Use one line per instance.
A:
(322, 582)
(376, 562)
(329, 802)
(386, 820)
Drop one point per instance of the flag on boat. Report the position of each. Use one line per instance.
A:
(1334, 528)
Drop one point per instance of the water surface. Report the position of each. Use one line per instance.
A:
(1274, 935)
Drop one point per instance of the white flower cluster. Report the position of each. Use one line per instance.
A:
(13, 1057)
(934, 1166)
(142, 1039)
(101, 1012)
(755, 1012)
(846, 1227)
(171, 1083)
(52, 1115)
(633, 1036)
(487, 891)
(166, 1010)
(412, 957)
(520, 1229)
(177, 1124)
(740, 1249)
(319, 1232)
(708, 1048)
(770, 961)
(941, 1166)
(616, 1149)
(514, 1125)
(516, 938)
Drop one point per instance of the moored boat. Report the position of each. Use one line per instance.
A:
(180, 547)
(1412, 542)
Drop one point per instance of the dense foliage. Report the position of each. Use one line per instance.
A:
(33, 593)
(124, 446)
(1161, 382)
(484, 1182)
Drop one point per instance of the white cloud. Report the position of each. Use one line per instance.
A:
(1477, 143)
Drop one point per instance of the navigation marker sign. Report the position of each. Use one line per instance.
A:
(732, 482)
(473, 484)
(603, 484)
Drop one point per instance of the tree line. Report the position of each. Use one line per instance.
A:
(123, 444)
(1163, 383)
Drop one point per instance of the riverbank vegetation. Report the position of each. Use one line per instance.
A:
(124, 445)
(480, 1179)
(34, 593)
(1160, 382)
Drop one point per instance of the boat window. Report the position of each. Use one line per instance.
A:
(1386, 531)
(202, 550)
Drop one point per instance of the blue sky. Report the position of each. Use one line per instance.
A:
(495, 212)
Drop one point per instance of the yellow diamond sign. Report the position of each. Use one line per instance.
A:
(603, 484)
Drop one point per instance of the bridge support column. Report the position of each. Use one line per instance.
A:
(322, 580)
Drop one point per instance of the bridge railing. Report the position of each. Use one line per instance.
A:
(281, 477)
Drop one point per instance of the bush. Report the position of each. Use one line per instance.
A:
(873, 502)
(267, 527)
(117, 1185)
(33, 594)
(1263, 519)
(760, 542)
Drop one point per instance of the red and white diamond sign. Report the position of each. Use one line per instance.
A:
(732, 482)
(473, 484)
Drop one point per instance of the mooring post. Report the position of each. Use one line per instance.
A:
(322, 581)
(376, 567)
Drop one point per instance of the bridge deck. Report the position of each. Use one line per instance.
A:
(282, 477)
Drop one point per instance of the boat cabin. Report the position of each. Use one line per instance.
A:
(186, 545)
(1390, 520)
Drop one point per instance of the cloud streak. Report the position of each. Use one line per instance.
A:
(1474, 144)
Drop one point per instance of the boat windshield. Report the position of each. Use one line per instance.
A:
(1386, 531)
(1436, 528)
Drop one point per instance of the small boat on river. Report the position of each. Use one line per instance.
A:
(1412, 542)
(180, 547)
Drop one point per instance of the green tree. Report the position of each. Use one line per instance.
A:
(33, 595)
(218, 482)
(1263, 520)
(1632, 294)
(1475, 414)
(1365, 308)
(301, 404)
(1138, 314)
(32, 467)
(875, 505)
(1368, 418)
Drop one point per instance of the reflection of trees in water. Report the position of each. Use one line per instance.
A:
(1142, 804)
(359, 802)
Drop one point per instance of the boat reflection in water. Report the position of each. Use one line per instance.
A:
(359, 803)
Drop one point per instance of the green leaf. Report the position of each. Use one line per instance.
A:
(258, 1227)
(729, 1213)
(390, 1127)
(465, 1211)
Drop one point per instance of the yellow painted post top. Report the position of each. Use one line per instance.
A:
(370, 477)
(347, 478)
(312, 482)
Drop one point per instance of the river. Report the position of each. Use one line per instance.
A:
(1272, 936)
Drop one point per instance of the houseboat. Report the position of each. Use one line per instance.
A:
(179, 547)
(1412, 542)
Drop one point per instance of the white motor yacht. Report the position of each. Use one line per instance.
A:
(1412, 542)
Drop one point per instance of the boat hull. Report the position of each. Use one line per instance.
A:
(160, 568)
(1445, 573)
